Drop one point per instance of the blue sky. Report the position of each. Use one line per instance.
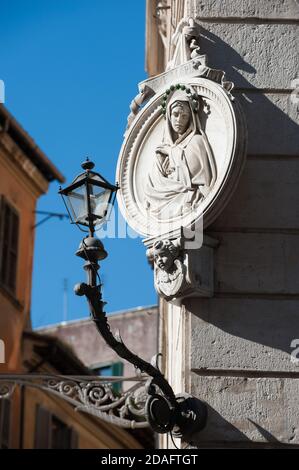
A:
(71, 69)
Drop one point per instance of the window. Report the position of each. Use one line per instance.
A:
(52, 433)
(4, 423)
(9, 236)
(110, 370)
(104, 371)
(61, 434)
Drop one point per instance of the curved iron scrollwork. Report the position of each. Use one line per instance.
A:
(165, 412)
(94, 397)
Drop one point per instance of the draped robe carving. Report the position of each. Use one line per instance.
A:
(183, 170)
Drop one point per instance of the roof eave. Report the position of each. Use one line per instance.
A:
(30, 148)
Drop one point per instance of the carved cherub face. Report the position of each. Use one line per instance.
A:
(164, 254)
(164, 260)
(180, 115)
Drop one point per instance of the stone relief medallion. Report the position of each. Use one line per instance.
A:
(182, 156)
(181, 159)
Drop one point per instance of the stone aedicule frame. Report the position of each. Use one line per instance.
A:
(216, 134)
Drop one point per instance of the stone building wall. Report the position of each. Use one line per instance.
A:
(234, 350)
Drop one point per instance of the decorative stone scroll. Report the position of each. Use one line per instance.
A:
(182, 156)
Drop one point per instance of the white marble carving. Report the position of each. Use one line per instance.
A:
(179, 272)
(169, 269)
(183, 170)
(215, 146)
(184, 43)
(181, 159)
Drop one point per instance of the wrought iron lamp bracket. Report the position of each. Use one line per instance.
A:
(150, 402)
(165, 412)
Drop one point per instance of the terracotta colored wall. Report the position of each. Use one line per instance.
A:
(92, 433)
(18, 187)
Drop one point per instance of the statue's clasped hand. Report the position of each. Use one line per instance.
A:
(163, 150)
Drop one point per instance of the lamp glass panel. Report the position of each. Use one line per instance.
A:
(77, 203)
(99, 179)
(99, 202)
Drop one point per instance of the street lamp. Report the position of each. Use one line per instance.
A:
(88, 200)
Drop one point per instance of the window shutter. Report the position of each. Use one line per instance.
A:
(117, 369)
(9, 238)
(4, 423)
(1, 233)
(3, 254)
(74, 439)
(60, 434)
(42, 428)
(13, 250)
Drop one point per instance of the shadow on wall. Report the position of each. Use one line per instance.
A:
(220, 433)
(269, 323)
(271, 131)
(218, 430)
(272, 118)
(222, 56)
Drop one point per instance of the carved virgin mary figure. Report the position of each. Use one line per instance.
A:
(183, 171)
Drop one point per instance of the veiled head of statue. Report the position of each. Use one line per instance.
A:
(180, 115)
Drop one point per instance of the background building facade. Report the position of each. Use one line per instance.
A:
(32, 418)
(138, 328)
(25, 175)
